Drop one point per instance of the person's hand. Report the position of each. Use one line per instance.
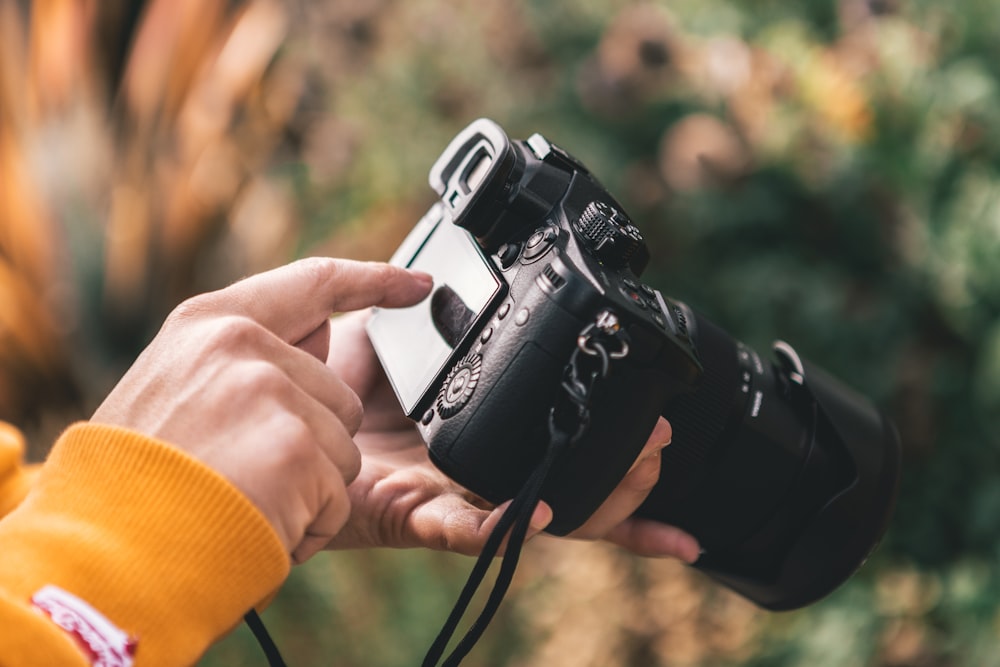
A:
(401, 500)
(237, 379)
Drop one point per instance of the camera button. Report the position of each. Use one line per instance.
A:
(508, 254)
(634, 297)
(659, 320)
(428, 417)
(538, 244)
(504, 309)
(536, 239)
(522, 317)
(486, 335)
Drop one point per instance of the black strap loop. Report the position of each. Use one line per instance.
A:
(518, 514)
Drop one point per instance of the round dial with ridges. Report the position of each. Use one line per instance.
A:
(459, 385)
(608, 234)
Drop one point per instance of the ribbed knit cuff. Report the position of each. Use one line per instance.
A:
(15, 476)
(167, 549)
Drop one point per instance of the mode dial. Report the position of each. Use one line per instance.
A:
(608, 234)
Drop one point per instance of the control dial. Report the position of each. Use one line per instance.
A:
(459, 385)
(608, 234)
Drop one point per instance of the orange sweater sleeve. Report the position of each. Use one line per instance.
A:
(164, 548)
(15, 476)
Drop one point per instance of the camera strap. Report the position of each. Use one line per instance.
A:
(263, 637)
(597, 345)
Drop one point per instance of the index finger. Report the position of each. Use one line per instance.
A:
(293, 300)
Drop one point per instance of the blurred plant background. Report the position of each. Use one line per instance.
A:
(827, 172)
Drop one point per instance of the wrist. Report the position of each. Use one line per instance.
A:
(164, 547)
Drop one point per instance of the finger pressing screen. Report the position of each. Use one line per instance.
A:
(295, 299)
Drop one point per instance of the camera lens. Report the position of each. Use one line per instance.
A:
(729, 465)
(785, 501)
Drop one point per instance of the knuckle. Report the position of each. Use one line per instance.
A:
(193, 308)
(351, 467)
(319, 271)
(383, 272)
(385, 275)
(262, 377)
(461, 535)
(294, 447)
(353, 413)
(236, 337)
(341, 515)
(446, 540)
(215, 331)
(340, 502)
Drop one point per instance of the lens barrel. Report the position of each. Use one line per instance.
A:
(785, 476)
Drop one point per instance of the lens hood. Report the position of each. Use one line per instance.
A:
(824, 548)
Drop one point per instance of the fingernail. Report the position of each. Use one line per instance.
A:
(659, 448)
(693, 554)
(425, 279)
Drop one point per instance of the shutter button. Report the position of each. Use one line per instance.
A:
(539, 243)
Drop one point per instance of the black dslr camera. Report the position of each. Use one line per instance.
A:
(786, 477)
